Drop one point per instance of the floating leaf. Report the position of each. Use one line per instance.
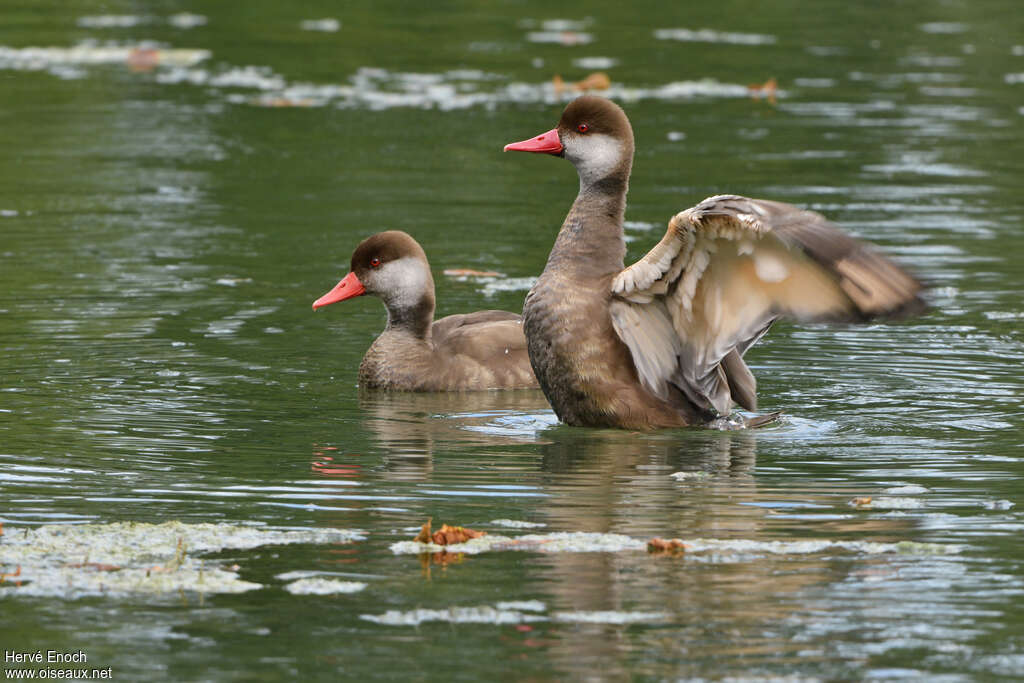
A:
(673, 546)
(424, 535)
(767, 90)
(98, 566)
(469, 272)
(447, 535)
(598, 80)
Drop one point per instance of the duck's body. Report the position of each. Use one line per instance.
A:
(660, 344)
(583, 367)
(465, 352)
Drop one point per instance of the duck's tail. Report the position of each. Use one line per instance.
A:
(736, 421)
(762, 420)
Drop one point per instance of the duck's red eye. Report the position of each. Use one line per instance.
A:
(583, 128)
(374, 262)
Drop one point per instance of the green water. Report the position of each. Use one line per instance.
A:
(163, 233)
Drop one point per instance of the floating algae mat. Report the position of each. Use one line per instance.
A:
(126, 558)
(723, 550)
(321, 586)
(370, 88)
(509, 613)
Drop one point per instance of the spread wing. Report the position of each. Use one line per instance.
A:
(725, 270)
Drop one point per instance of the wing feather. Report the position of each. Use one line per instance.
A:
(652, 341)
(723, 272)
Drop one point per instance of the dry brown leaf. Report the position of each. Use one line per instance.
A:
(449, 535)
(98, 566)
(469, 272)
(143, 59)
(424, 535)
(446, 535)
(274, 102)
(768, 89)
(596, 81)
(660, 545)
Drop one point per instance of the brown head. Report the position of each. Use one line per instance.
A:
(390, 265)
(594, 134)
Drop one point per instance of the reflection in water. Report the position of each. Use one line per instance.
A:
(569, 450)
(410, 426)
(614, 482)
(610, 481)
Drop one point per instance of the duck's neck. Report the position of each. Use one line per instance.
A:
(413, 318)
(591, 239)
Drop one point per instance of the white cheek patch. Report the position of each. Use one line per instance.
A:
(402, 282)
(595, 156)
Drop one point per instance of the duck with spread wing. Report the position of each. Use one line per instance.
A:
(661, 343)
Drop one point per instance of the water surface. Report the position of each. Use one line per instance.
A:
(179, 186)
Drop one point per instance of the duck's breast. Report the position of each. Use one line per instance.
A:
(573, 347)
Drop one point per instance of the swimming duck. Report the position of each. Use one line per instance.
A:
(661, 343)
(470, 351)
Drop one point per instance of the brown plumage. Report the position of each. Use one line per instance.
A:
(661, 343)
(470, 351)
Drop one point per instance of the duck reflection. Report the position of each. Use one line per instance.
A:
(623, 483)
(612, 482)
(571, 450)
(411, 427)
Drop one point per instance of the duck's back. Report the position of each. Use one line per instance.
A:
(466, 352)
(483, 350)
